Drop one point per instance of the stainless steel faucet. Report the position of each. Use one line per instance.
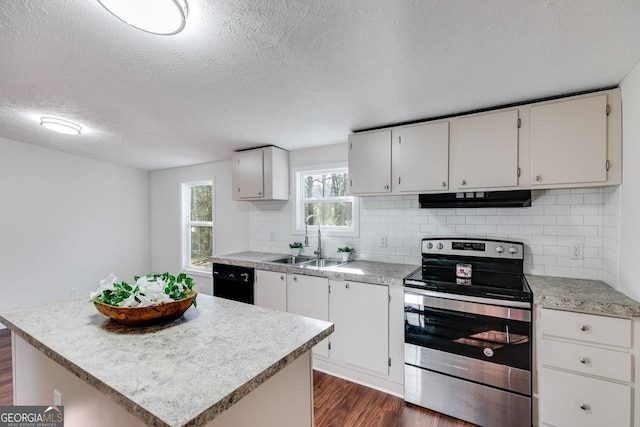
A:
(317, 252)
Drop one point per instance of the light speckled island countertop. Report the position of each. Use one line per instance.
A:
(588, 296)
(358, 271)
(156, 372)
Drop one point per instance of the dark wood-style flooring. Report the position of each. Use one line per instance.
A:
(337, 403)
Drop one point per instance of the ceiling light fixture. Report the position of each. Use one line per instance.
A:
(164, 17)
(60, 126)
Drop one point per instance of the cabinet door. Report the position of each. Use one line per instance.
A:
(248, 174)
(573, 400)
(488, 150)
(309, 296)
(420, 158)
(271, 290)
(370, 162)
(569, 141)
(360, 312)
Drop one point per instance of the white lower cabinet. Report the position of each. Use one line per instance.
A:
(309, 296)
(360, 312)
(575, 400)
(270, 289)
(367, 335)
(586, 370)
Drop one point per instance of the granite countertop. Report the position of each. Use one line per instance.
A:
(589, 296)
(157, 372)
(358, 271)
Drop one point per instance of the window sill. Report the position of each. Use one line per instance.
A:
(327, 233)
(198, 273)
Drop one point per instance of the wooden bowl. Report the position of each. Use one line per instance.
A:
(140, 316)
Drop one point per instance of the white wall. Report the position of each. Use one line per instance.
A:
(630, 203)
(67, 222)
(231, 219)
(556, 219)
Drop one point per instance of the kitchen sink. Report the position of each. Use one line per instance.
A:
(307, 262)
(293, 260)
(321, 263)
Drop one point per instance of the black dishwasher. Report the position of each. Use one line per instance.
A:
(233, 282)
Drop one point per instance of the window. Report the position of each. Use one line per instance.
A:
(324, 193)
(197, 231)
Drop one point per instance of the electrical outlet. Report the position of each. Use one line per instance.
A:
(57, 398)
(74, 292)
(383, 241)
(576, 250)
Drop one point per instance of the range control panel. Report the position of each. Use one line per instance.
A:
(473, 247)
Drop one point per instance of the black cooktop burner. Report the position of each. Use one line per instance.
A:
(491, 285)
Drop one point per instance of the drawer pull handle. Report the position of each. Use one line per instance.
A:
(585, 328)
(585, 407)
(585, 360)
(295, 279)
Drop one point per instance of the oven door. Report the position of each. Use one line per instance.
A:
(469, 337)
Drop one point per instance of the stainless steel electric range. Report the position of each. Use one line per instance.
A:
(468, 331)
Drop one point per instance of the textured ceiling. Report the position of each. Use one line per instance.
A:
(294, 73)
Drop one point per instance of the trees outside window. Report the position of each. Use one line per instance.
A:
(324, 193)
(197, 225)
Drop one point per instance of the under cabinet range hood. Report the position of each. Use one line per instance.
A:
(477, 199)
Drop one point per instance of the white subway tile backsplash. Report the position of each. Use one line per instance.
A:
(557, 219)
(570, 199)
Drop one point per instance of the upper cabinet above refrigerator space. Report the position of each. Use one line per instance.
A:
(260, 174)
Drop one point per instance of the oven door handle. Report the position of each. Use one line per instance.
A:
(513, 310)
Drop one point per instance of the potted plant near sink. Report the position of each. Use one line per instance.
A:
(295, 248)
(346, 252)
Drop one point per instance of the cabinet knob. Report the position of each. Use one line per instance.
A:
(386, 187)
(585, 328)
(259, 193)
(538, 178)
(281, 277)
(585, 407)
(585, 360)
(295, 279)
(444, 183)
(346, 285)
(463, 182)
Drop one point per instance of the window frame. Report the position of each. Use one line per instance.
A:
(186, 224)
(298, 220)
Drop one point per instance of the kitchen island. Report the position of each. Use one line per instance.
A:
(222, 363)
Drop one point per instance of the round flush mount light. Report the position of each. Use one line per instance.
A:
(60, 125)
(164, 17)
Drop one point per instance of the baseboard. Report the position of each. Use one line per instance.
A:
(376, 383)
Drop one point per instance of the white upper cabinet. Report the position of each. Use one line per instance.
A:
(573, 142)
(370, 162)
(569, 142)
(488, 150)
(420, 158)
(260, 174)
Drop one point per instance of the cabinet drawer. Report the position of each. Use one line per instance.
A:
(587, 327)
(574, 400)
(589, 360)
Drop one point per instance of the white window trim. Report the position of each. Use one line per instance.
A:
(185, 224)
(298, 221)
